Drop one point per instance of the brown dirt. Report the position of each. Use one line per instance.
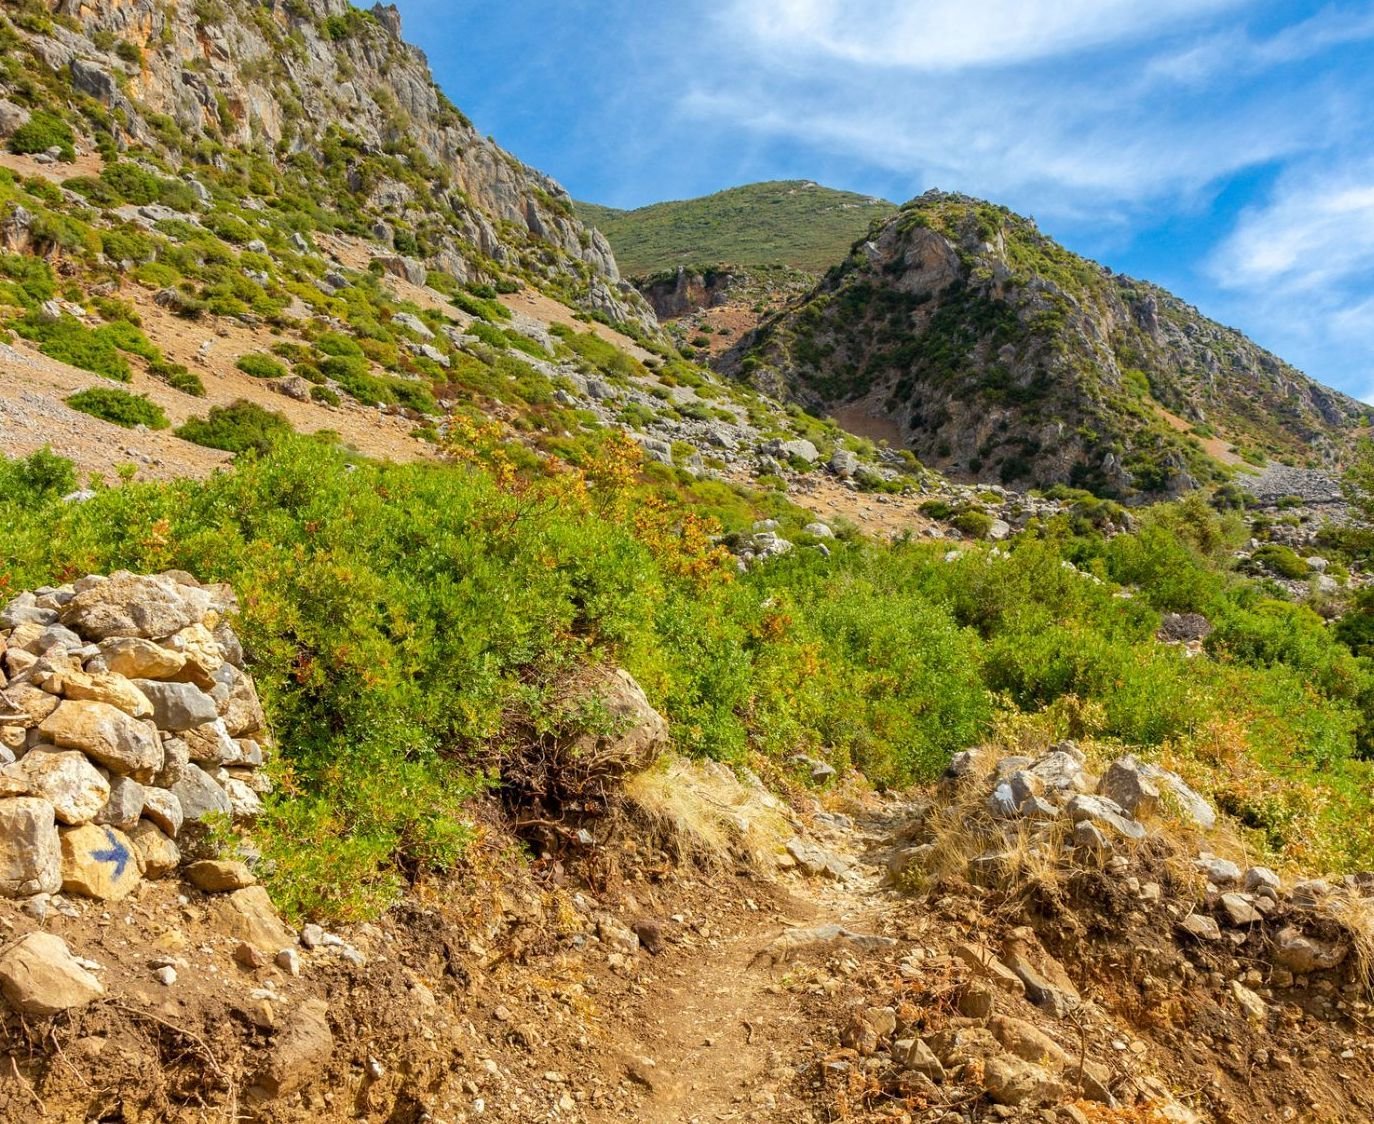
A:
(86, 164)
(1218, 448)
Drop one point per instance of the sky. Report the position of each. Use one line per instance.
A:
(1221, 148)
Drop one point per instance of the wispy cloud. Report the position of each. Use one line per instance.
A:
(942, 35)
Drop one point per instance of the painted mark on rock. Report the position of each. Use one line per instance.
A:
(117, 854)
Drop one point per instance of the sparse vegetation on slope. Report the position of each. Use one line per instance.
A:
(788, 222)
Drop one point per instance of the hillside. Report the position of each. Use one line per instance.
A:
(793, 223)
(430, 693)
(996, 353)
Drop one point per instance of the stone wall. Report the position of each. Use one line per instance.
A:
(125, 721)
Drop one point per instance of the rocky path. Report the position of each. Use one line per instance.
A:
(724, 1025)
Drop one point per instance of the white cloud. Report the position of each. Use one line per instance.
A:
(939, 35)
(1315, 232)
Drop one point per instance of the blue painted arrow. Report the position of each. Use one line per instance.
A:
(117, 854)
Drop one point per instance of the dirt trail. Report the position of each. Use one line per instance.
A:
(722, 1027)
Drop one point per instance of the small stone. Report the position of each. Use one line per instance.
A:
(1303, 955)
(166, 975)
(177, 706)
(1259, 877)
(246, 956)
(289, 961)
(1104, 813)
(1238, 910)
(136, 658)
(1201, 927)
(1219, 872)
(124, 806)
(164, 809)
(219, 876)
(312, 936)
(1126, 783)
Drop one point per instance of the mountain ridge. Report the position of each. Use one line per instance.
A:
(992, 347)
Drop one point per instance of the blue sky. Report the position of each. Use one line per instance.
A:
(1222, 148)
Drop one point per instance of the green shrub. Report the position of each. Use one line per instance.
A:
(69, 341)
(1281, 560)
(260, 366)
(119, 406)
(241, 427)
(178, 377)
(41, 132)
(324, 395)
(975, 524)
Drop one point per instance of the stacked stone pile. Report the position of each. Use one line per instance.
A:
(125, 720)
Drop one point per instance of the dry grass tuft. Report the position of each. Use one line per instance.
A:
(701, 812)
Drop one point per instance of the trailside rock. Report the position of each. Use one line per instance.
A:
(126, 604)
(119, 742)
(163, 808)
(99, 862)
(159, 854)
(66, 780)
(125, 804)
(40, 977)
(248, 915)
(217, 876)
(639, 731)
(300, 1050)
(30, 849)
(113, 689)
(199, 795)
(1302, 954)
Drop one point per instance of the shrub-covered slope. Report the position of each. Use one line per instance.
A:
(327, 97)
(786, 222)
(1000, 354)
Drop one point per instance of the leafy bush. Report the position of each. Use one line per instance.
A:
(241, 427)
(69, 341)
(975, 524)
(1281, 560)
(260, 366)
(119, 406)
(41, 132)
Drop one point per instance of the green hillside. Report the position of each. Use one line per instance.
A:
(784, 222)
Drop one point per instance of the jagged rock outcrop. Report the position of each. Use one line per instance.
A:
(291, 79)
(1000, 354)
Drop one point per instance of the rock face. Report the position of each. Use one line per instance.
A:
(269, 76)
(98, 793)
(994, 350)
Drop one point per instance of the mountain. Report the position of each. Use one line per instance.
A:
(335, 103)
(793, 223)
(996, 353)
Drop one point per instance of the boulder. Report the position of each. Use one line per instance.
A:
(125, 604)
(119, 692)
(844, 464)
(199, 795)
(40, 977)
(1027, 1041)
(248, 915)
(65, 779)
(210, 744)
(204, 656)
(30, 849)
(178, 706)
(1219, 872)
(1126, 783)
(1011, 1081)
(105, 733)
(136, 658)
(99, 862)
(94, 80)
(25, 705)
(163, 808)
(815, 860)
(125, 804)
(1192, 805)
(159, 854)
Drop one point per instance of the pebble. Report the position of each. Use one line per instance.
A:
(166, 975)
